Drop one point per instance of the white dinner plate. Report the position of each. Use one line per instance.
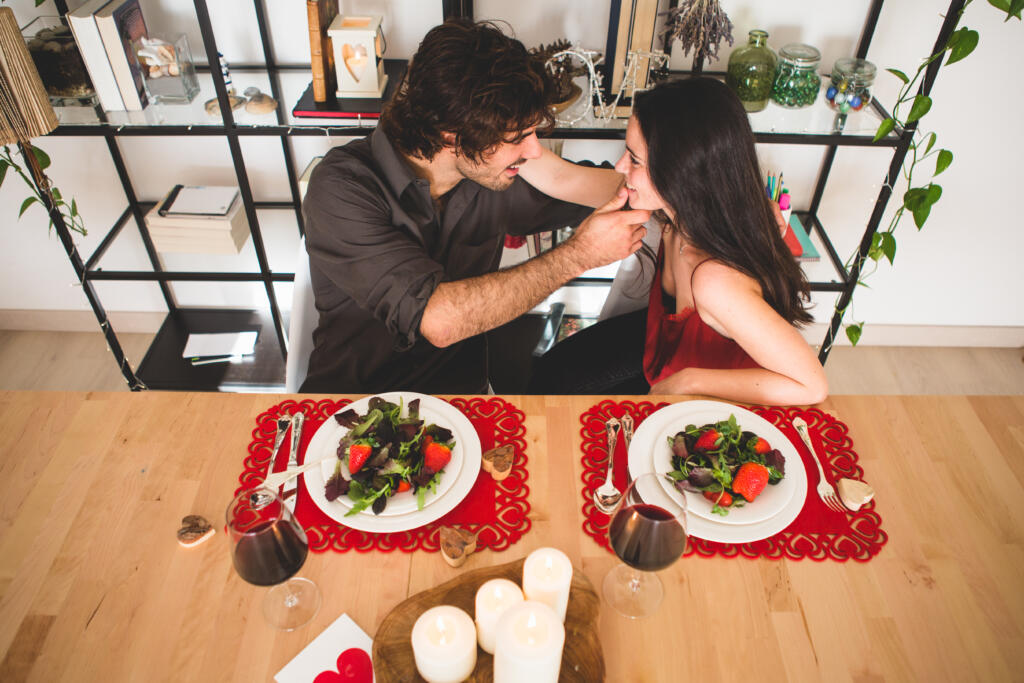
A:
(650, 452)
(401, 512)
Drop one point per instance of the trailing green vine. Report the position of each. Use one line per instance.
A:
(919, 200)
(69, 211)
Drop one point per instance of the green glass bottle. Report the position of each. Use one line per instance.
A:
(752, 70)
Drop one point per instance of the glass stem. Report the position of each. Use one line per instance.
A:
(634, 581)
(291, 600)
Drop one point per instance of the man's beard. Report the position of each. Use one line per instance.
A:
(485, 176)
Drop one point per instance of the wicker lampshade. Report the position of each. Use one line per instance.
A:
(25, 110)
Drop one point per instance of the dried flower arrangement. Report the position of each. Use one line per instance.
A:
(699, 26)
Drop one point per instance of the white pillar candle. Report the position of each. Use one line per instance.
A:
(528, 644)
(492, 599)
(444, 645)
(547, 577)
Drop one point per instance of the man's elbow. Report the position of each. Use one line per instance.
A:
(437, 332)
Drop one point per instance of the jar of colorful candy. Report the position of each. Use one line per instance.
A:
(850, 86)
(796, 81)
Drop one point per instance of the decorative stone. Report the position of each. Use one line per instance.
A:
(194, 530)
(213, 106)
(456, 545)
(251, 91)
(855, 493)
(261, 104)
(498, 461)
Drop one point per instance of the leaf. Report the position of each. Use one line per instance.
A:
(921, 215)
(899, 74)
(1016, 7)
(889, 246)
(42, 157)
(931, 142)
(961, 44)
(74, 207)
(853, 333)
(27, 203)
(3, 170)
(875, 251)
(922, 103)
(943, 162)
(913, 197)
(884, 128)
(934, 193)
(1000, 4)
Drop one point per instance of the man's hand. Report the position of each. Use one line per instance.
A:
(608, 235)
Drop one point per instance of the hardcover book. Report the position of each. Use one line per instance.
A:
(121, 27)
(94, 55)
(320, 14)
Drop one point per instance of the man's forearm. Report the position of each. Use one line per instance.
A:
(464, 308)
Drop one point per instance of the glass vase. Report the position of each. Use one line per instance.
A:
(58, 61)
(751, 71)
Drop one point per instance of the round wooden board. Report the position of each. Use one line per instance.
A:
(582, 659)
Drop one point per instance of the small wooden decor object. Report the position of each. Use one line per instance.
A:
(498, 461)
(582, 659)
(358, 45)
(456, 545)
(25, 110)
(194, 530)
(320, 14)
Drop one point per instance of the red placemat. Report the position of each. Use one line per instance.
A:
(495, 511)
(817, 533)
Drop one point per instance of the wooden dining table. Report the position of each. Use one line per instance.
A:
(95, 587)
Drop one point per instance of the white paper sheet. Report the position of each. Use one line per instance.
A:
(204, 345)
(325, 654)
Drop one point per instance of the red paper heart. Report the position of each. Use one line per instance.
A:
(354, 666)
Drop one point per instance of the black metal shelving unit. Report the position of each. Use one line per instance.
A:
(163, 367)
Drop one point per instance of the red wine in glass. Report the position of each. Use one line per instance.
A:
(268, 547)
(646, 537)
(648, 533)
(270, 553)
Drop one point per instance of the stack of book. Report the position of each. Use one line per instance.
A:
(108, 33)
(204, 219)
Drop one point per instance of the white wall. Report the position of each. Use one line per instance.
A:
(962, 269)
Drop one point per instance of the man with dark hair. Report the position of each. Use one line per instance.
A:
(405, 228)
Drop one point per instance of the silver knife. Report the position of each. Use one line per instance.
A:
(290, 488)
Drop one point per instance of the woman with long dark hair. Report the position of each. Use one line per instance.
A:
(727, 295)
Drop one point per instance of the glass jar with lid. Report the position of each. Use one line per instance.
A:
(751, 70)
(796, 77)
(850, 86)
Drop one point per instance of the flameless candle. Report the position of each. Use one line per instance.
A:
(547, 577)
(444, 645)
(492, 599)
(528, 644)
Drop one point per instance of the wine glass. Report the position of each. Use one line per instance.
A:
(648, 533)
(268, 547)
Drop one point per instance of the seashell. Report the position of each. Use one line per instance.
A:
(213, 106)
(456, 545)
(498, 461)
(855, 493)
(251, 91)
(261, 104)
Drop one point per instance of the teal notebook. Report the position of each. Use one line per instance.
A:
(809, 253)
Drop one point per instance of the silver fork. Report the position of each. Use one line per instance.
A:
(607, 496)
(258, 499)
(826, 491)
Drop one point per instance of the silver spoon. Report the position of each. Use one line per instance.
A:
(607, 496)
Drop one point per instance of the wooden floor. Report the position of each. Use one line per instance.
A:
(80, 361)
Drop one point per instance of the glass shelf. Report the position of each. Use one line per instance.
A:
(816, 124)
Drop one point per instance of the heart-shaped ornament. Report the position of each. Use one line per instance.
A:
(354, 666)
(355, 59)
(194, 530)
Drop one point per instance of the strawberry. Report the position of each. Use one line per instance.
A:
(358, 454)
(722, 498)
(708, 441)
(750, 480)
(436, 456)
(761, 446)
(403, 485)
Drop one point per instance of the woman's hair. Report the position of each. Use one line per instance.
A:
(472, 80)
(702, 161)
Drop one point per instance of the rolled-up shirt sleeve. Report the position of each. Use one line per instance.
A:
(355, 247)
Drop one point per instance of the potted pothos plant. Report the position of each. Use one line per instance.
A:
(910, 108)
